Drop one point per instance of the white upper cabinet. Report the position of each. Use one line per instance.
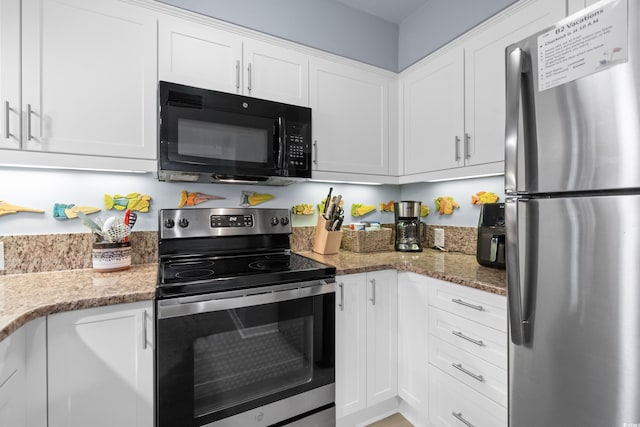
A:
(485, 77)
(454, 100)
(88, 78)
(10, 134)
(210, 58)
(434, 114)
(350, 108)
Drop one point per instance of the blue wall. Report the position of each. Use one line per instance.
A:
(336, 28)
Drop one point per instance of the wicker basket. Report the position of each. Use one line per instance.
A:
(367, 240)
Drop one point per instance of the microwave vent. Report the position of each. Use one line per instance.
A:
(184, 100)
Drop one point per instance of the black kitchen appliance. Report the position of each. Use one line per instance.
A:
(411, 233)
(491, 236)
(211, 136)
(245, 329)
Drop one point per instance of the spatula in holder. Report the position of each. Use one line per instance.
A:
(326, 242)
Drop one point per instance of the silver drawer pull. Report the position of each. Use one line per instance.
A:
(459, 367)
(7, 110)
(341, 305)
(458, 415)
(464, 337)
(466, 304)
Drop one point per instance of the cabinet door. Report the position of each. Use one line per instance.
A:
(276, 73)
(100, 367)
(23, 377)
(351, 344)
(350, 119)
(382, 336)
(10, 74)
(413, 353)
(434, 114)
(485, 77)
(199, 55)
(89, 78)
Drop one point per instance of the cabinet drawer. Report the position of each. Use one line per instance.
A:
(477, 373)
(479, 306)
(451, 402)
(479, 340)
(11, 355)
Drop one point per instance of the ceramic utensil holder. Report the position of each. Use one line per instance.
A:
(326, 242)
(108, 257)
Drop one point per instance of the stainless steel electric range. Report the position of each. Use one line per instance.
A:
(245, 329)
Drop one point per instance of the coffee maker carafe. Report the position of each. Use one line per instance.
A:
(410, 231)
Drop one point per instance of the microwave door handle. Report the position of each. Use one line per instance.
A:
(282, 137)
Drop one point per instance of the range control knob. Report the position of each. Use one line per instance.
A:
(183, 222)
(169, 223)
(284, 220)
(274, 221)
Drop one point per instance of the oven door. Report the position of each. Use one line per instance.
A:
(254, 357)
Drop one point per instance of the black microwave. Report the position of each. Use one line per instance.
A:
(211, 136)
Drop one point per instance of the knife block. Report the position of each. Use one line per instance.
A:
(325, 242)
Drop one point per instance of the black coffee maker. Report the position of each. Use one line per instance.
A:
(491, 236)
(411, 233)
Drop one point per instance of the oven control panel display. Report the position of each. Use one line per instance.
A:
(222, 221)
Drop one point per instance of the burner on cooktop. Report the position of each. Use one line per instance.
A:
(191, 265)
(194, 274)
(270, 264)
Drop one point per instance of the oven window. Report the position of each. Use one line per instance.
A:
(252, 360)
(222, 141)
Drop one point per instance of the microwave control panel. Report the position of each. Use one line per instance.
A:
(298, 148)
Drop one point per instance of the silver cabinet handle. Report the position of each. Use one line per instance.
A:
(144, 330)
(29, 137)
(341, 305)
(466, 304)
(6, 119)
(238, 74)
(315, 152)
(457, 142)
(249, 77)
(464, 337)
(458, 415)
(373, 291)
(467, 145)
(459, 367)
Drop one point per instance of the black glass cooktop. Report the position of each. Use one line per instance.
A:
(196, 275)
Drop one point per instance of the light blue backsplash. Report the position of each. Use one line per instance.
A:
(40, 189)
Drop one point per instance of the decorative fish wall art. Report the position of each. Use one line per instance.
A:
(192, 199)
(7, 208)
(134, 201)
(63, 211)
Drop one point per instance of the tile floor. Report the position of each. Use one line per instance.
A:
(395, 420)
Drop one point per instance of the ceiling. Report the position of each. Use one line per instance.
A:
(390, 10)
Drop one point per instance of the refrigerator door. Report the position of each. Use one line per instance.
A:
(583, 134)
(578, 294)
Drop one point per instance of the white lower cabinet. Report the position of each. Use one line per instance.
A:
(23, 377)
(366, 340)
(100, 366)
(467, 356)
(413, 344)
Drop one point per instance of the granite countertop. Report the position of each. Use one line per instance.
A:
(24, 297)
(450, 266)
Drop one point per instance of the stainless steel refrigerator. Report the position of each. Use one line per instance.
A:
(572, 176)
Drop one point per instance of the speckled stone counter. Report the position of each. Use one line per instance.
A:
(450, 266)
(24, 297)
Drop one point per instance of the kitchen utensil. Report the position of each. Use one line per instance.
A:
(91, 224)
(118, 232)
(132, 219)
(327, 202)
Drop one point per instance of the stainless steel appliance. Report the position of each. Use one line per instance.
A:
(572, 225)
(491, 236)
(211, 136)
(410, 231)
(245, 329)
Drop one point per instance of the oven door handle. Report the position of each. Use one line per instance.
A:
(177, 307)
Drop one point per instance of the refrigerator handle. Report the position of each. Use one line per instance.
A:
(514, 290)
(515, 61)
